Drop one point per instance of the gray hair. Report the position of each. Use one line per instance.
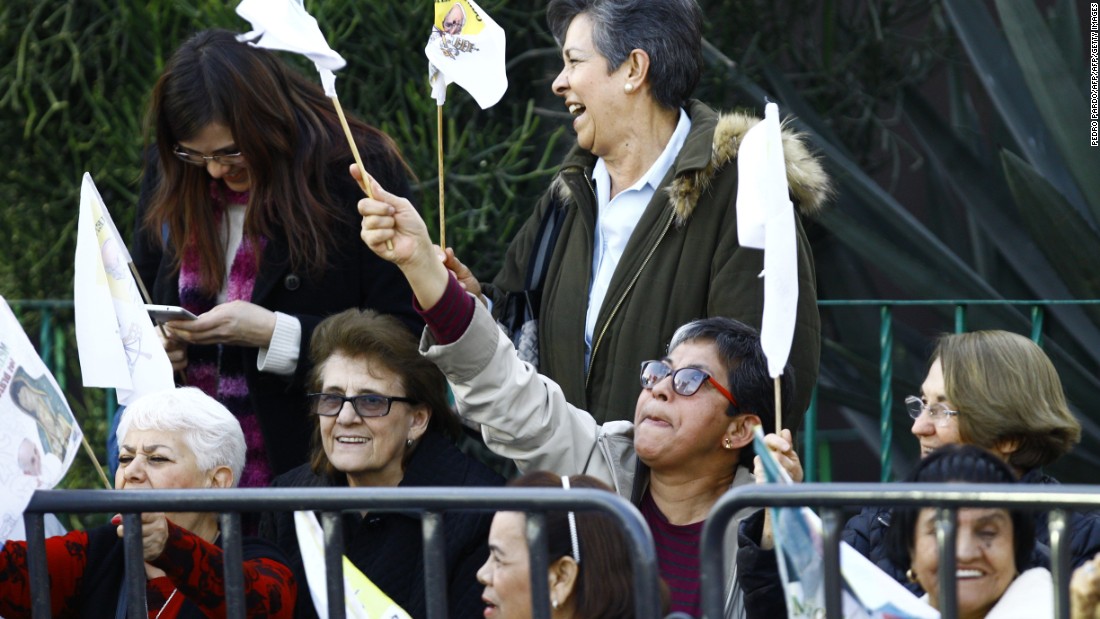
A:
(670, 31)
(207, 427)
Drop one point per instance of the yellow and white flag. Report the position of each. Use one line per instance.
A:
(466, 47)
(765, 220)
(362, 598)
(116, 342)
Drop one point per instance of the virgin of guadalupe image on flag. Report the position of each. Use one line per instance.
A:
(40, 437)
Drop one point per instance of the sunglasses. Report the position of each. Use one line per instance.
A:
(685, 381)
(366, 405)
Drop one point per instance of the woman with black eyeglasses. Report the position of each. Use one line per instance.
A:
(246, 218)
(383, 419)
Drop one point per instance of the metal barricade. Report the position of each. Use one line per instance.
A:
(430, 502)
(831, 500)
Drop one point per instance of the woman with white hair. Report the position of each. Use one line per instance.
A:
(173, 439)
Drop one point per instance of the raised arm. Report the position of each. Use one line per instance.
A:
(394, 230)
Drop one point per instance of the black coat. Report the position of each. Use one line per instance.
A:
(388, 547)
(354, 277)
(866, 532)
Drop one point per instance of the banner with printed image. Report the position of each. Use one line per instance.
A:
(41, 436)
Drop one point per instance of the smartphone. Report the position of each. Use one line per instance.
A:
(163, 313)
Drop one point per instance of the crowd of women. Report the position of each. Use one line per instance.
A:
(332, 335)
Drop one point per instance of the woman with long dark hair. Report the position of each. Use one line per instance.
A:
(247, 219)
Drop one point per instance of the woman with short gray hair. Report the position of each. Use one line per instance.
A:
(642, 212)
(172, 439)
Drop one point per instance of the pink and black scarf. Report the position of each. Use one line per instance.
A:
(219, 369)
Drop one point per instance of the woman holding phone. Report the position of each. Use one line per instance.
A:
(247, 219)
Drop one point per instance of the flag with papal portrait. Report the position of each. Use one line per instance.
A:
(466, 47)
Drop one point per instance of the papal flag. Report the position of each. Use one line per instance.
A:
(117, 344)
(285, 25)
(868, 592)
(362, 598)
(466, 47)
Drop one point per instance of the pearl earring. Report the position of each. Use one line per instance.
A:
(628, 87)
(554, 603)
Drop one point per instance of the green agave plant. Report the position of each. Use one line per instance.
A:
(1007, 207)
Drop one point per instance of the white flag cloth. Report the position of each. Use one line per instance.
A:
(466, 47)
(116, 341)
(40, 438)
(285, 25)
(867, 591)
(765, 220)
(362, 598)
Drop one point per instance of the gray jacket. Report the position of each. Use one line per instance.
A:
(525, 417)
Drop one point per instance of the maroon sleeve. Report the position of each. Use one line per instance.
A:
(449, 318)
(66, 555)
(196, 567)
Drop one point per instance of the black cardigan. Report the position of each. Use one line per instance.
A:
(388, 547)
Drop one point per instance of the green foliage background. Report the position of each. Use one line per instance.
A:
(959, 177)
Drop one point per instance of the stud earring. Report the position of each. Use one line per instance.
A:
(911, 576)
(628, 87)
(554, 603)
(728, 444)
(408, 442)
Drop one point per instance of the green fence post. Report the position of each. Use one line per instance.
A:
(886, 396)
(960, 318)
(1037, 324)
(809, 448)
(45, 342)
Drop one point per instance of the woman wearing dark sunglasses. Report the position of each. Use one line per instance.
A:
(692, 430)
(245, 219)
(383, 419)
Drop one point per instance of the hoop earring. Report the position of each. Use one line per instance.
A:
(911, 576)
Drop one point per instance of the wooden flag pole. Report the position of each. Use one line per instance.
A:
(778, 409)
(95, 462)
(363, 175)
(442, 212)
(181, 376)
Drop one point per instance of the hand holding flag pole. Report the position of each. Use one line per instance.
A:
(285, 25)
(765, 220)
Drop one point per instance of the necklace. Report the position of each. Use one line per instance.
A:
(166, 603)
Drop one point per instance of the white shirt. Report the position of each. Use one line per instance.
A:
(281, 354)
(616, 219)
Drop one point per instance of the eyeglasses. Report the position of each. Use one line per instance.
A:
(196, 159)
(937, 413)
(366, 405)
(685, 381)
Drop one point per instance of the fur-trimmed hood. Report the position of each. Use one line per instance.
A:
(810, 186)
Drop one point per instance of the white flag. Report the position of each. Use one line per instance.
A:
(285, 25)
(466, 47)
(765, 220)
(867, 592)
(40, 437)
(362, 598)
(115, 338)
